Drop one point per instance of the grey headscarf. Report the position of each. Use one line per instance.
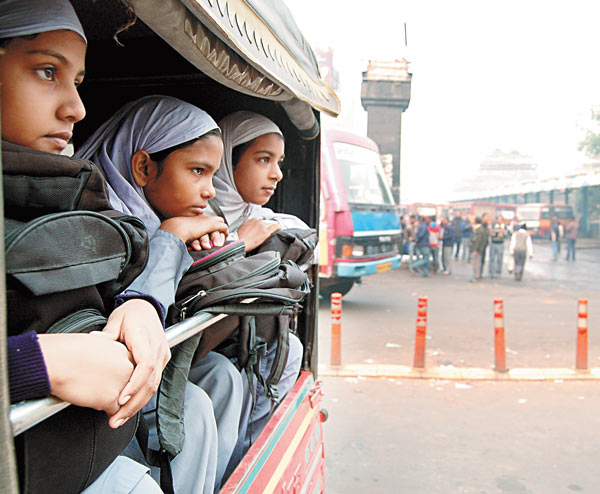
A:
(239, 128)
(26, 17)
(152, 123)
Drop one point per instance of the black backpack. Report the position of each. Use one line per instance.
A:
(220, 281)
(67, 254)
(294, 244)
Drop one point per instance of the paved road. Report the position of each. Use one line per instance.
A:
(428, 436)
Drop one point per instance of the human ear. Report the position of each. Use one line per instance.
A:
(142, 167)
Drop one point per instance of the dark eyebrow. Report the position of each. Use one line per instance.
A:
(201, 163)
(57, 55)
(267, 151)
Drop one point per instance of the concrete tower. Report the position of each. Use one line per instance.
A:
(385, 94)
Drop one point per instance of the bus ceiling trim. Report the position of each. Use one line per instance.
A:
(230, 43)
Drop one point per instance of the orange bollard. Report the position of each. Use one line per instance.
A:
(499, 343)
(421, 334)
(582, 334)
(336, 329)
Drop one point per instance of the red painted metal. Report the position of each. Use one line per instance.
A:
(288, 456)
(499, 341)
(421, 333)
(336, 329)
(582, 334)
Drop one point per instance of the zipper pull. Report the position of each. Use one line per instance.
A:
(183, 310)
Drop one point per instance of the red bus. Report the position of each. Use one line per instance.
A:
(538, 216)
(360, 227)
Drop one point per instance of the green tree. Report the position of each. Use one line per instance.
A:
(591, 142)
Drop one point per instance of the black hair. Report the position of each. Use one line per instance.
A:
(161, 156)
(4, 42)
(238, 151)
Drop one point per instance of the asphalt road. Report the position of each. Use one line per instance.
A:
(429, 436)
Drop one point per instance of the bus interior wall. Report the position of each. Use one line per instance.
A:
(144, 65)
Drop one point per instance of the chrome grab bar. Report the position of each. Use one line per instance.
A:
(26, 414)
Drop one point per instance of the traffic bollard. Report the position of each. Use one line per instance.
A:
(499, 343)
(336, 329)
(421, 333)
(582, 334)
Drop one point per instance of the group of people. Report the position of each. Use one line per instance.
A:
(558, 232)
(163, 160)
(432, 246)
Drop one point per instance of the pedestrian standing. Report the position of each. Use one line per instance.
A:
(409, 237)
(498, 234)
(557, 232)
(467, 230)
(457, 227)
(421, 248)
(571, 235)
(434, 242)
(521, 248)
(448, 242)
(477, 245)
(485, 223)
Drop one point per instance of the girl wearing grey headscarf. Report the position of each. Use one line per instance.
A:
(151, 123)
(241, 128)
(162, 124)
(19, 18)
(24, 18)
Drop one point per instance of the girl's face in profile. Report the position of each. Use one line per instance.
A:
(39, 78)
(258, 171)
(184, 186)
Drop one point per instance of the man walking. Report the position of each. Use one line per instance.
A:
(498, 233)
(521, 248)
(422, 248)
(479, 241)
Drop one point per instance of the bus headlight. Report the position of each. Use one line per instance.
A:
(349, 250)
(358, 250)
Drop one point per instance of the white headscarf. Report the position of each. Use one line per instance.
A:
(152, 123)
(239, 128)
(26, 17)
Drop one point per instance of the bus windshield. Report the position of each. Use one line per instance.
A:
(362, 174)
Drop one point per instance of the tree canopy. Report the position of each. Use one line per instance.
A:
(591, 142)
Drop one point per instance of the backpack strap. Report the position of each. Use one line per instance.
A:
(169, 412)
(281, 356)
(219, 212)
(156, 458)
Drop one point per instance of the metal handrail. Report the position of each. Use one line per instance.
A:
(26, 414)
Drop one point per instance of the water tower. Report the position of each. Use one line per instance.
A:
(385, 95)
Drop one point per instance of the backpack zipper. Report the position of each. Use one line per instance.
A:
(236, 252)
(77, 321)
(265, 269)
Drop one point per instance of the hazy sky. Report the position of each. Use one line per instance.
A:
(513, 75)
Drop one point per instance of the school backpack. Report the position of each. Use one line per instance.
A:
(67, 255)
(261, 292)
(294, 244)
